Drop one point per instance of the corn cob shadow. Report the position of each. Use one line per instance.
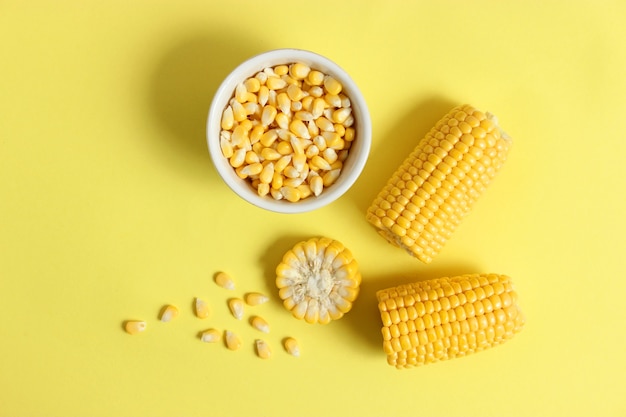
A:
(364, 318)
(182, 87)
(391, 148)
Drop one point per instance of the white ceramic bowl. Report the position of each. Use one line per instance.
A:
(358, 154)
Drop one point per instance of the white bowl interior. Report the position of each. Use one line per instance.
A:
(359, 151)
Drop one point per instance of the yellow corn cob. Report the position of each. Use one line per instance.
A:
(444, 318)
(318, 280)
(436, 186)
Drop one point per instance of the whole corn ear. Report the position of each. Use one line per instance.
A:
(436, 186)
(445, 318)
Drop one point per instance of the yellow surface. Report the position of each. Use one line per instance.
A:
(110, 208)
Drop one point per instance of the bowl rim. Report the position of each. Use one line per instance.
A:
(359, 152)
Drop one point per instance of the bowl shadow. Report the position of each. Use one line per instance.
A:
(182, 88)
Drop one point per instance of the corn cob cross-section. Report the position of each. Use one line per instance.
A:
(427, 197)
(445, 318)
(318, 280)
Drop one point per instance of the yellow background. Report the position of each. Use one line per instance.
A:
(110, 207)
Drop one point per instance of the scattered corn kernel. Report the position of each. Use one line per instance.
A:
(255, 298)
(236, 307)
(202, 309)
(287, 110)
(168, 313)
(291, 346)
(224, 280)
(233, 342)
(135, 326)
(318, 280)
(263, 349)
(445, 318)
(210, 336)
(260, 324)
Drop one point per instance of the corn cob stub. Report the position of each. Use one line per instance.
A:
(429, 194)
(318, 280)
(444, 318)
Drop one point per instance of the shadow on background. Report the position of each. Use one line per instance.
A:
(364, 318)
(391, 148)
(183, 86)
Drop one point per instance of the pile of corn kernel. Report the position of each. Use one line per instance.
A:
(230, 338)
(288, 130)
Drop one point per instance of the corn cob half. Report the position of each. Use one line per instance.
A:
(436, 186)
(445, 318)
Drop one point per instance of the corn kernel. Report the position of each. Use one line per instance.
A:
(224, 280)
(291, 194)
(260, 324)
(263, 349)
(295, 93)
(255, 298)
(226, 147)
(275, 83)
(281, 70)
(210, 336)
(317, 185)
(320, 163)
(239, 112)
(291, 346)
(263, 95)
(330, 177)
(202, 309)
(241, 93)
(299, 71)
(340, 115)
(282, 120)
(270, 154)
(168, 313)
(276, 194)
(315, 77)
(262, 189)
(268, 115)
(228, 118)
(252, 169)
(298, 128)
(252, 85)
(333, 101)
(238, 158)
(332, 85)
(282, 163)
(135, 326)
(236, 307)
(233, 342)
(284, 104)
